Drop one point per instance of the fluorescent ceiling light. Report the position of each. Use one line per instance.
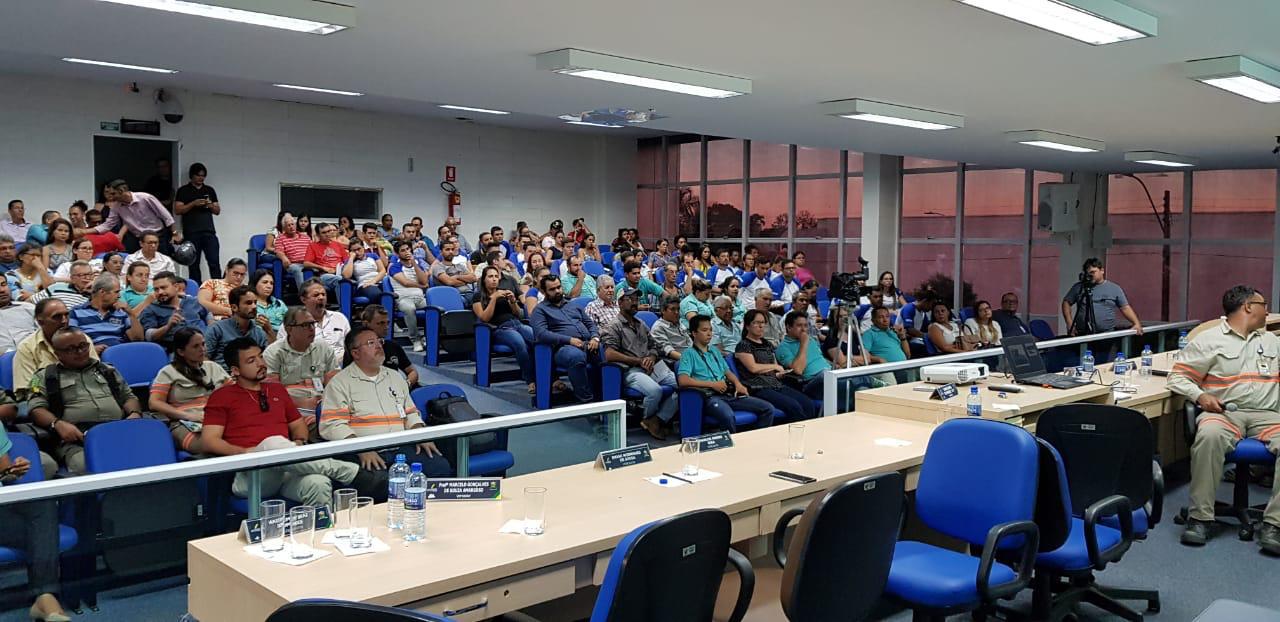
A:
(315, 17)
(1054, 140)
(1238, 74)
(318, 90)
(1160, 158)
(642, 73)
(103, 63)
(470, 109)
(892, 114)
(1096, 22)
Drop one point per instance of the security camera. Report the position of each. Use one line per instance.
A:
(169, 106)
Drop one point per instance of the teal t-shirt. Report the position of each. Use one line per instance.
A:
(691, 303)
(814, 363)
(704, 366)
(884, 344)
(133, 298)
(5, 443)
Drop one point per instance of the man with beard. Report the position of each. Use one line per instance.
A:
(170, 309)
(240, 325)
(569, 330)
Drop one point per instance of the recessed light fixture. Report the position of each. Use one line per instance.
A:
(621, 70)
(1096, 22)
(1160, 158)
(470, 109)
(318, 90)
(1054, 140)
(310, 16)
(103, 63)
(1238, 74)
(892, 114)
(570, 119)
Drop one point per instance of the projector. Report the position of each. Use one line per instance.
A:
(953, 373)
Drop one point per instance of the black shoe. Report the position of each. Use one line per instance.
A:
(1196, 533)
(1269, 538)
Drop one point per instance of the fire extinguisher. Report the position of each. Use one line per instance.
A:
(453, 200)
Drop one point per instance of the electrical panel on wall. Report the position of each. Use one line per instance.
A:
(1058, 207)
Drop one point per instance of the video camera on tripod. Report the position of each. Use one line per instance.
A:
(851, 286)
(1084, 322)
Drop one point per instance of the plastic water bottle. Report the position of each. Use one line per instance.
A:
(973, 406)
(1182, 339)
(1086, 362)
(415, 505)
(397, 480)
(1144, 368)
(1120, 368)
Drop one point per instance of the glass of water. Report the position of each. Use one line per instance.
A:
(361, 520)
(691, 449)
(535, 510)
(302, 532)
(795, 441)
(342, 500)
(273, 519)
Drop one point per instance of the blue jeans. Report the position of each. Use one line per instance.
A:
(721, 409)
(650, 385)
(519, 337)
(295, 271)
(795, 404)
(577, 365)
(330, 282)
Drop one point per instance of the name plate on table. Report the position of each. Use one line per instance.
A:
(464, 489)
(324, 517)
(714, 441)
(625, 457)
(251, 530)
(944, 392)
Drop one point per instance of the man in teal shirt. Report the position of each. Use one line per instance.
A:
(885, 343)
(703, 368)
(801, 352)
(650, 292)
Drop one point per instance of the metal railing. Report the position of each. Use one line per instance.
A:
(614, 412)
(832, 378)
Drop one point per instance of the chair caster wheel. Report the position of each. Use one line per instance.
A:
(1246, 534)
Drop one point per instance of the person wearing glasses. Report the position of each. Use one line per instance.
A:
(331, 327)
(367, 398)
(36, 351)
(250, 414)
(1232, 372)
(303, 364)
(75, 394)
(703, 368)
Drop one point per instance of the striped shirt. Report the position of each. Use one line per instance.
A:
(104, 329)
(184, 394)
(64, 292)
(293, 248)
(358, 405)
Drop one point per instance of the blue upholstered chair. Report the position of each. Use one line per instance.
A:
(448, 324)
(594, 268)
(6, 370)
(978, 485)
(494, 462)
(1248, 452)
(648, 317)
(137, 361)
(25, 447)
(1041, 330)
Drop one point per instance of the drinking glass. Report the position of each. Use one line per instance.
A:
(302, 531)
(361, 521)
(535, 510)
(691, 449)
(795, 441)
(342, 499)
(273, 519)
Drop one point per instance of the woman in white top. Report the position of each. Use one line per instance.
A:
(944, 333)
(365, 270)
(982, 326)
(82, 250)
(893, 298)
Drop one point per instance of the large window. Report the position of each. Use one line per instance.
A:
(1233, 223)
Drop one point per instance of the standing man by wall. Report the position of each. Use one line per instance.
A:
(197, 203)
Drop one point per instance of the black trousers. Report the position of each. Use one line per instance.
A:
(206, 243)
(33, 527)
(436, 466)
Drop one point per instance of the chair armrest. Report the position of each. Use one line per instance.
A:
(1155, 507)
(1030, 545)
(780, 535)
(690, 409)
(1190, 410)
(746, 586)
(1115, 505)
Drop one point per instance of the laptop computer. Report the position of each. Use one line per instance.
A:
(1023, 360)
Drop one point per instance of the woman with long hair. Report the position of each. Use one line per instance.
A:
(589, 251)
(346, 230)
(81, 250)
(500, 309)
(759, 370)
(534, 294)
(304, 226)
(893, 299)
(182, 388)
(213, 293)
(660, 257)
(530, 279)
(983, 326)
(705, 259)
(112, 262)
(731, 287)
(31, 276)
(270, 307)
(58, 250)
(944, 333)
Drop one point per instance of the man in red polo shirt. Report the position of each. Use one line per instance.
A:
(325, 255)
(291, 247)
(252, 415)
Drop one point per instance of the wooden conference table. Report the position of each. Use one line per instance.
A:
(465, 561)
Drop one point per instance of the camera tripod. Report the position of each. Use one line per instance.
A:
(1084, 322)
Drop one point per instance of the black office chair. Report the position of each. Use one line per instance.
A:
(839, 558)
(326, 610)
(1248, 452)
(1106, 454)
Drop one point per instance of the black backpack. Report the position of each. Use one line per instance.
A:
(449, 408)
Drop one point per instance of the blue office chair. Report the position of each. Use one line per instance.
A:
(448, 324)
(1041, 330)
(1101, 456)
(138, 361)
(253, 254)
(545, 372)
(128, 444)
(648, 317)
(671, 569)
(486, 350)
(193, 287)
(1248, 452)
(606, 257)
(692, 419)
(612, 386)
(25, 447)
(838, 562)
(6, 370)
(967, 313)
(977, 484)
(594, 268)
(581, 302)
(327, 610)
(347, 300)
(489, 463)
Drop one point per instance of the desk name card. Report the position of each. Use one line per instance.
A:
(944, 392)
(714, 441)
(624, 457)
(464, 489)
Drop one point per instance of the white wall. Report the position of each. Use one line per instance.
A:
(251, 146)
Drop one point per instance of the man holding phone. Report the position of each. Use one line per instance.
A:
(197, 203)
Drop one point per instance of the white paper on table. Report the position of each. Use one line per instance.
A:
(891, 442)
(1005, 408)
(515, 525)
(344, 547)
(702, 476)
(665, 482)
(283, 557)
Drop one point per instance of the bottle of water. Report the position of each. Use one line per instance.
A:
(1120, 368)
(1144, 369)
(973, 406)
(415, 505)
(1182, 339)
(397, 480)
(1086, 363)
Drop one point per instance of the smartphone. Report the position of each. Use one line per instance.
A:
(792, 477)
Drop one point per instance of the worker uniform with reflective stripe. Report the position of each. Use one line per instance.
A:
(360, 405)
(1241, 370)
(298, 371)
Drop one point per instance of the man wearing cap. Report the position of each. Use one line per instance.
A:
(627, 343)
